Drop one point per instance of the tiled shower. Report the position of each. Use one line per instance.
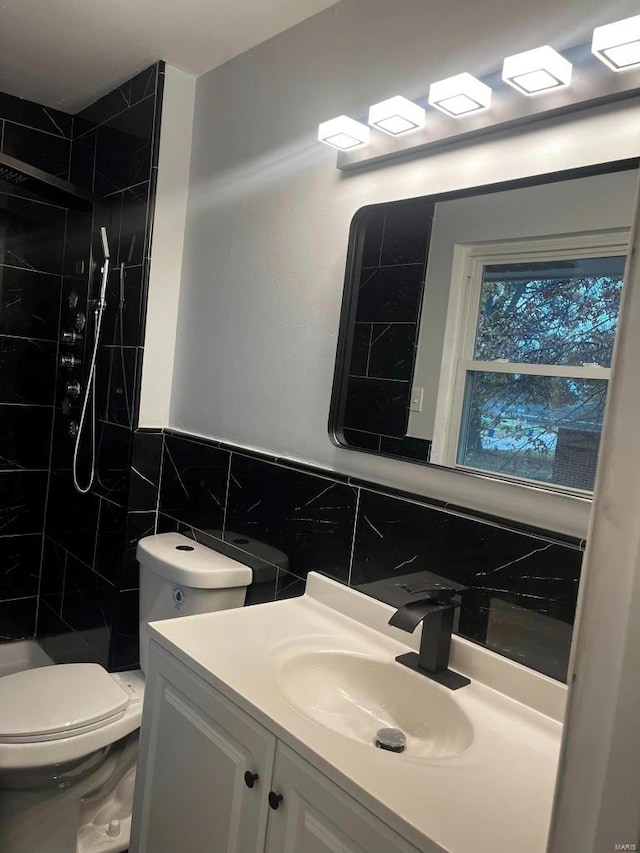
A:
(65, 567)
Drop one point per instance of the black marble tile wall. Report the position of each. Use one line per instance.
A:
(114, 154)
(395, 241)
(32, 241)
(522, 582)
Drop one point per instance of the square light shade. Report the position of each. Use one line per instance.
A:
(343, 133)
(618, 45)
(460, 95)
(396, 115)
(537, 70)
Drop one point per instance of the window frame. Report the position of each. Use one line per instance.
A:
(468, 267)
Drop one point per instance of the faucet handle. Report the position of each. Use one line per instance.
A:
(440, 592)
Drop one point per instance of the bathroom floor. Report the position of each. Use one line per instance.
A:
(21, 655)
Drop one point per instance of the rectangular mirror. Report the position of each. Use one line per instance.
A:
(477, 327)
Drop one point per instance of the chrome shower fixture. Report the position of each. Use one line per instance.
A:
(90, 391)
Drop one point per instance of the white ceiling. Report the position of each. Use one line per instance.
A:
(67, 53)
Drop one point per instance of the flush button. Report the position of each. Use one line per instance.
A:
(185, 548)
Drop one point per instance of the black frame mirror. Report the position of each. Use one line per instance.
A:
(362, 237)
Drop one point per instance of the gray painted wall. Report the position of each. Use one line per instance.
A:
(268, 216)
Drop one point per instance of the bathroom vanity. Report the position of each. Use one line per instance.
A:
(259, 727)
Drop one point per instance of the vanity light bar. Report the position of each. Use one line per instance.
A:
(343, 133)
(537, 70)
(396, 115)
(618, 44)
(460, 95)
(532, 72)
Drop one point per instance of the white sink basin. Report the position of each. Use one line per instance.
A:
(355, 695)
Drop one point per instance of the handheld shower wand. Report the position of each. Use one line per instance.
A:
(90, 391)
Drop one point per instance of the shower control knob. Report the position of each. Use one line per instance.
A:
(71, 337)
(80, 321)
(72, 389)
(69, 361)
(65, 406)
(72, 429)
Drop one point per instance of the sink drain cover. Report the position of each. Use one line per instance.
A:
(393, 740)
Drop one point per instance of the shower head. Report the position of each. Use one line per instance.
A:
(105, 243)
(49, 187)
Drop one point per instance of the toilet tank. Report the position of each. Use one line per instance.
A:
(180, 577)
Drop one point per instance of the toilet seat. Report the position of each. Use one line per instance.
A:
(35, 751)
(54, 702)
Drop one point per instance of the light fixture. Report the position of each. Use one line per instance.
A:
(618, 44)
(343, 133)
(396, 115)
(537, 70)
(460, 95)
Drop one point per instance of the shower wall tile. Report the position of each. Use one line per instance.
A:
(45, 151)
(31, 253)
(132, 246)
(72, 520)
(82, 160)
(109, 543)
(37, 116)
(33, 234)
(122, 327)
(123, 149)
(27, 371)
(29, 303)
(77, 246)
(145, 471)
(25, 437)
(113, 462)
(124, 644)
(18, 619)
(19, 566)
(116, 380)
(22, 502)
(54, 563)
(139, 525)
(120, 99)
(145, 83)
(59, 640)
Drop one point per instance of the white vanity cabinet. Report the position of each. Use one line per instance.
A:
(317, 816)
(213, 780)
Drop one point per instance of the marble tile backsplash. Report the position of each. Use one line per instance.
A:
(522, 582)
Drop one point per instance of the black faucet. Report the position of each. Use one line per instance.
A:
(434, 604)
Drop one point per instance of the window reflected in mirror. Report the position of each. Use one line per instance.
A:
(478, 328)
(535, 388)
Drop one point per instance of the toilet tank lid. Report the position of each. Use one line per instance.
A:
(176, 558)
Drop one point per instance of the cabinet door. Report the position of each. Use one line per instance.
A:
(316, 816)
(195, 748)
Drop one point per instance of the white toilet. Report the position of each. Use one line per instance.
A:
(69, 733)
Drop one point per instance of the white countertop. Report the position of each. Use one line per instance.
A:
(496, 795)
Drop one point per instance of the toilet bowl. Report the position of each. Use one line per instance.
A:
(69, 732)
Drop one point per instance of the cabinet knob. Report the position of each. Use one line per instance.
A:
(274, 799)
(250, 779)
